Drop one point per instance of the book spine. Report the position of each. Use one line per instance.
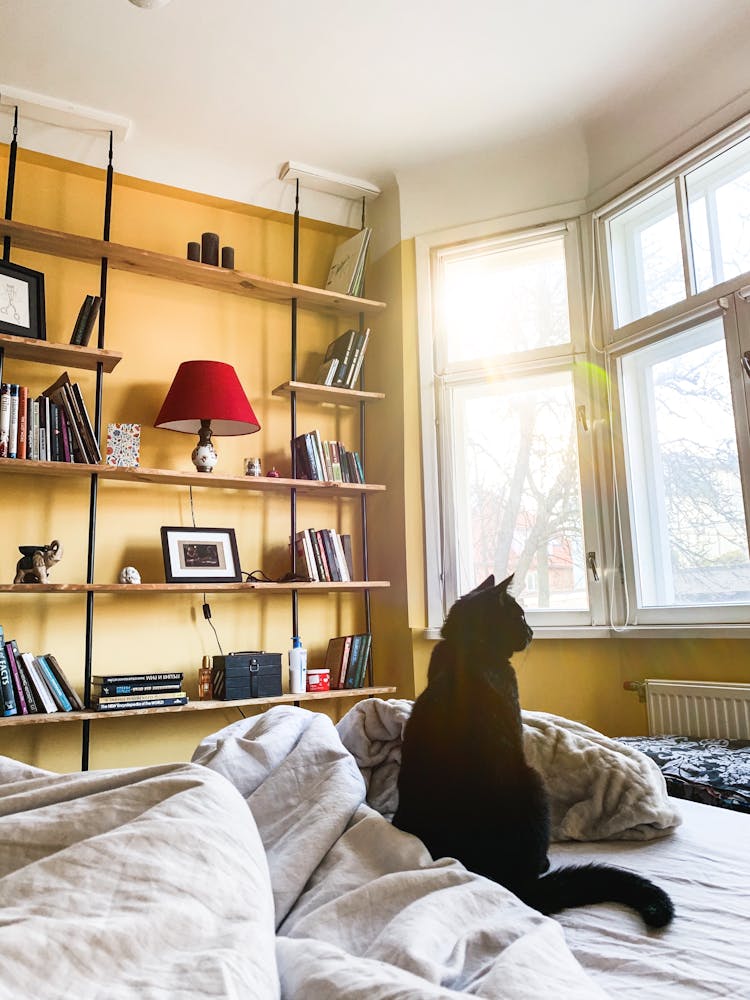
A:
(6, 683)
(141, 703)
(341, 562)
(54, 433)
(20, 697)
(346, 545)
(364, 657)
(52, 682)
(23, 429)
(300, 450)
(4, 418)
(92, 446)
(324, 537)
(137, 678)
(13, 421)
(65, 684)
(108, 699)
(344, 665)
(319, 459)
(317, 555)
(358, 360)
(43, 429)
(28, 687)
(35, 429)
(118, 690)
(312, 458)
(88, 325)
(42, 692)
(67, 454)
(75, 337)
(343, 369)
(351, 667)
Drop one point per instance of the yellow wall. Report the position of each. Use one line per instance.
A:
(157, 324)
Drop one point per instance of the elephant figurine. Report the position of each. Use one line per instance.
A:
(36, 562)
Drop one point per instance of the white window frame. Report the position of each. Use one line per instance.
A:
(730, 298)
(437, 464)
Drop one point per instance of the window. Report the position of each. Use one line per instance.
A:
(681, 388)
(510, 383)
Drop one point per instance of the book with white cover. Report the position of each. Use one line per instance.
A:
(348, 263)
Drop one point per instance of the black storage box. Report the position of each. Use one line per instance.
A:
(252, 674)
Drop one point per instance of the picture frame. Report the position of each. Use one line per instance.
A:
(22, 308)
(200, 555)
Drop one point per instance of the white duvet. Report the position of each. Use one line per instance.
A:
(176, 881)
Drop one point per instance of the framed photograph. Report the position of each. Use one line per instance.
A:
(22, 301)
(200, 555)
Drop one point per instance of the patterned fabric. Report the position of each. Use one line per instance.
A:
(715, 772)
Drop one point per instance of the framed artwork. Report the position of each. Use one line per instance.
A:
(200, 555)
(22, 301)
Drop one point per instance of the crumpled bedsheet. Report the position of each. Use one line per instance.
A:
(599, 789)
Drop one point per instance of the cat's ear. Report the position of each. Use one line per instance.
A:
(487, 584)
(506, 582)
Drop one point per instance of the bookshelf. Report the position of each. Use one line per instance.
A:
(103, 362)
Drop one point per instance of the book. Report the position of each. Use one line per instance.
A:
(42, 692)
(341, 349)
(121, 705)
(84, 323)
(346, 545)
(136, 678)
(58, 394)
(64, 683)
(147, 698)
(18, 690)
(340, 555)
(92, 445)
(7, 694)
(118, 690)
(28, 690)
(23, 430)
(326, 372)
(346, 273)
(337, 655)
(4, 418)
(364, 656)
(13, 421)
(68, 395)
(351, 667)
(324, 537)
(33, 446)
(123, 445)
(358, 357)
(61, 699)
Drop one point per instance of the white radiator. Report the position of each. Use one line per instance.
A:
(698, 708)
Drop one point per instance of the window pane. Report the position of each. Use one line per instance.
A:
(684, 482)
(518, 492)
(501, 300)
(719, 204)
(646, 257)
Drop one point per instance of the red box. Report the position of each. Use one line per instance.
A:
(318, 679)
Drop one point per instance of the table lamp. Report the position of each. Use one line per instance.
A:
(206, 398)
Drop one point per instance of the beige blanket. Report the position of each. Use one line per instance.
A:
(599, 789)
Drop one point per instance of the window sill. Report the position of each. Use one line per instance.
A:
(629, 632)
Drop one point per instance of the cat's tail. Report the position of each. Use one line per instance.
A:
(580, 885)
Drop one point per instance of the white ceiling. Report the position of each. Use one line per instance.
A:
(222, 92)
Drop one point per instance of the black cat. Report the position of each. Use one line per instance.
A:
(464, 786)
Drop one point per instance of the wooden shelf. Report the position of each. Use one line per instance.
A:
(326, 393)
(188, 588)
(158, 265)
(65, 355)
(170, 477)
(195, 706)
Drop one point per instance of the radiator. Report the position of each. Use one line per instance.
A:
(698, 708)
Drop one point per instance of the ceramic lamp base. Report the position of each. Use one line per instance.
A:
(204, 454)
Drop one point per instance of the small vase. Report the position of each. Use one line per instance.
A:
(204, 457)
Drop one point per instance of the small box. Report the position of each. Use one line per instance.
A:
(319, 679)
(123, 444)
(251, 674)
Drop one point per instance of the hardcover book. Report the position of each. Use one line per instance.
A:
(346, 273)
(123, 445)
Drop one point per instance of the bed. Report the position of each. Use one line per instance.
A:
(267, 867)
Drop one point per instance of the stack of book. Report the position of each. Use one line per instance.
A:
(324, 555)
(54, 427)
(346, 658)
(115, 692)
(33, 685)
(84, 323)
(343, 359)
(328, 461)
(347, 271)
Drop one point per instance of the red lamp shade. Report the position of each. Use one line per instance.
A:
(207, 390)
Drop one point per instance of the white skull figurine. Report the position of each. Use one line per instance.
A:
(129, 574)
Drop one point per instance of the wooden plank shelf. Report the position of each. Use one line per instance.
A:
(189, 588)
(159, 265)
(64, 355)
(170, 477)
(326, 393)
(196, 706)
